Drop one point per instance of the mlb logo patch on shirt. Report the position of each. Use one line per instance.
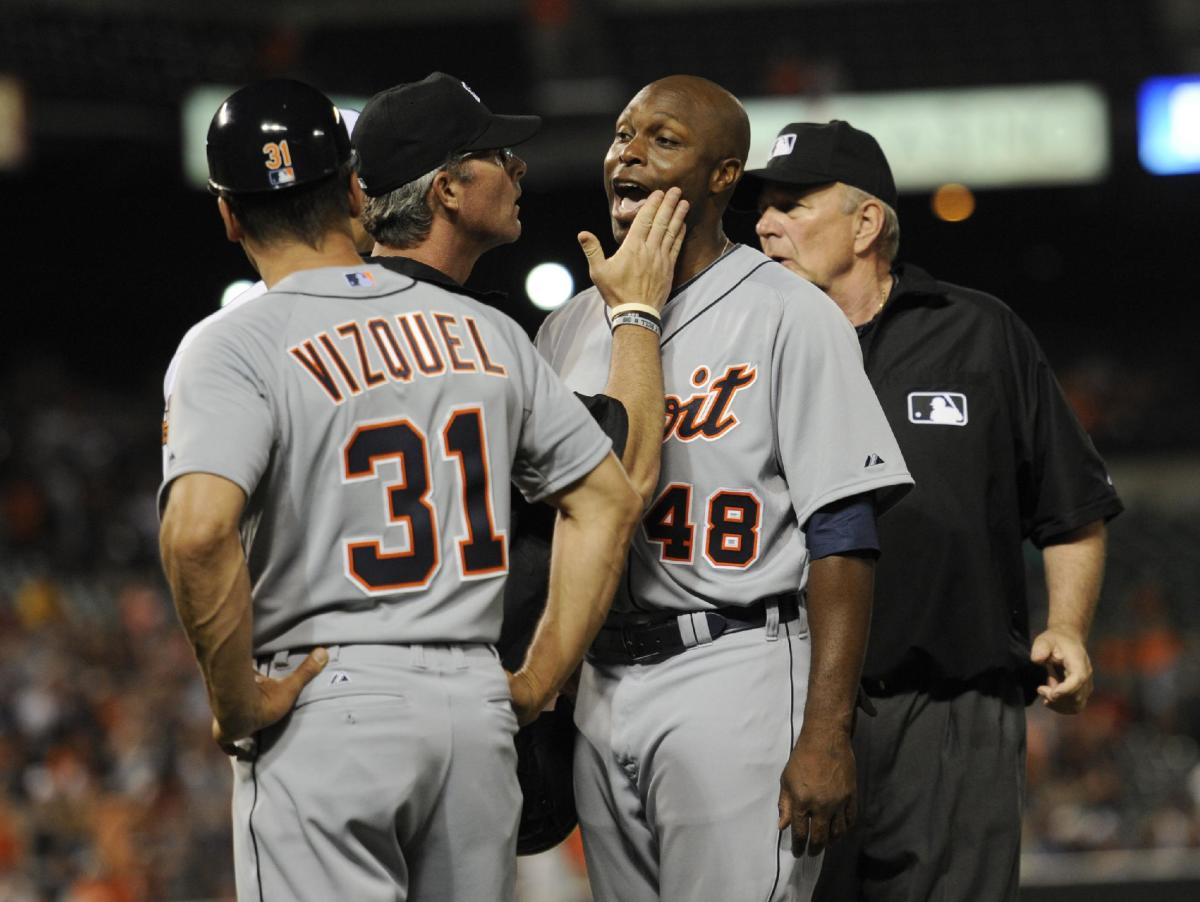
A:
(783, 145)
(360, 279)
(937, 408)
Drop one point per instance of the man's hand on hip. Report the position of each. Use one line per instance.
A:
(272, 701)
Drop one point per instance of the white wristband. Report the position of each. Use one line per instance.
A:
(640, 308)
(637, 318)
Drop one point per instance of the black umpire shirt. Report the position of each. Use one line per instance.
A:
(998, 457)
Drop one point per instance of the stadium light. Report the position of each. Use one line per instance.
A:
(549, 285)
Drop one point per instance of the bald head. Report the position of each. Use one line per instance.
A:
(718, 118)
(681, 131)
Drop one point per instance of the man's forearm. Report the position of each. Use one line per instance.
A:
(1074, 574)
(587, 559)
(840, 592)
(635, 379)
(211, 587)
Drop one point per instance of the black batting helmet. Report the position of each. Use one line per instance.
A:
(275, 134)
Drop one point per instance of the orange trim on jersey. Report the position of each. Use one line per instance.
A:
(389, 489)
(669, 520)
(371, 377)
(494, 534)
(389, 349)
(737, 548)
(485, 359)
(310, 359)
(340, 362)
(435, 364)
(452, 343)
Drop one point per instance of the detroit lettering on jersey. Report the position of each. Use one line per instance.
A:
(707, 415)
(405, 346)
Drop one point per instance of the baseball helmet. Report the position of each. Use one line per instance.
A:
(275, 134)
(545, 754)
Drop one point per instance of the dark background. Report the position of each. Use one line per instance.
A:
(110, 786)
(111, 257)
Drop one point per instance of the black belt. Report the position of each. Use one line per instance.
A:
(650, 638)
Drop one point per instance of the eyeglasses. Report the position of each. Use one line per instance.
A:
(501, 156)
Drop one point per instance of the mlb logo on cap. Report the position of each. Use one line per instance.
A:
(783, 145)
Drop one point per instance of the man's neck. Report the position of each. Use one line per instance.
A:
(699, 251)
(275, 262)
(862, 292)
(447, 251)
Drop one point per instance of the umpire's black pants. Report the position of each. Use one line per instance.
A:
(941, 773)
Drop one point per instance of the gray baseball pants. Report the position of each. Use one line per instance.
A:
(677, 772)
(394, 778)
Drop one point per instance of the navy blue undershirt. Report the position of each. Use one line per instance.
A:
(846, 526)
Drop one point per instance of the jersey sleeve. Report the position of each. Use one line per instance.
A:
(220, 419)
(560, 442)
(832, 438)
(1063, 483)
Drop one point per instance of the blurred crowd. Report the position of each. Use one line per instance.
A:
(113, 790)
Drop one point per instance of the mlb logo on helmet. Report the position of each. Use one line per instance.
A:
(283, 176)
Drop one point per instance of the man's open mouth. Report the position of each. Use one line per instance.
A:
(628, 197)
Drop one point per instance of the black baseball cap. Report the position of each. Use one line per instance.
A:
(411, 129)
(807, 154)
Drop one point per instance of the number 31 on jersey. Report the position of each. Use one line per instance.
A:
(482, 549)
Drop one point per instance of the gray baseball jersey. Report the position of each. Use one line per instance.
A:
(769, 418)
(373, 423)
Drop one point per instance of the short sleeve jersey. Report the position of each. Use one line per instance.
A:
(374, 423)
(769, 418)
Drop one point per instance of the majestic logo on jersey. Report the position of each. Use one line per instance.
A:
(707, 414)
(937, 408)
(873, 460)
(783, 145)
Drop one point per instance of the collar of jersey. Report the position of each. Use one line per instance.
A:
(726, 255)
(423, 272)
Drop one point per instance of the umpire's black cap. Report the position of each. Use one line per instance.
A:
(411, 129)
(807, 154)
(275, 134)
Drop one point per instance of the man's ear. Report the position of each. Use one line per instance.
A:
(869, 226)
(445, 191)
(233, 228)
(357, 198)
(725, 175)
